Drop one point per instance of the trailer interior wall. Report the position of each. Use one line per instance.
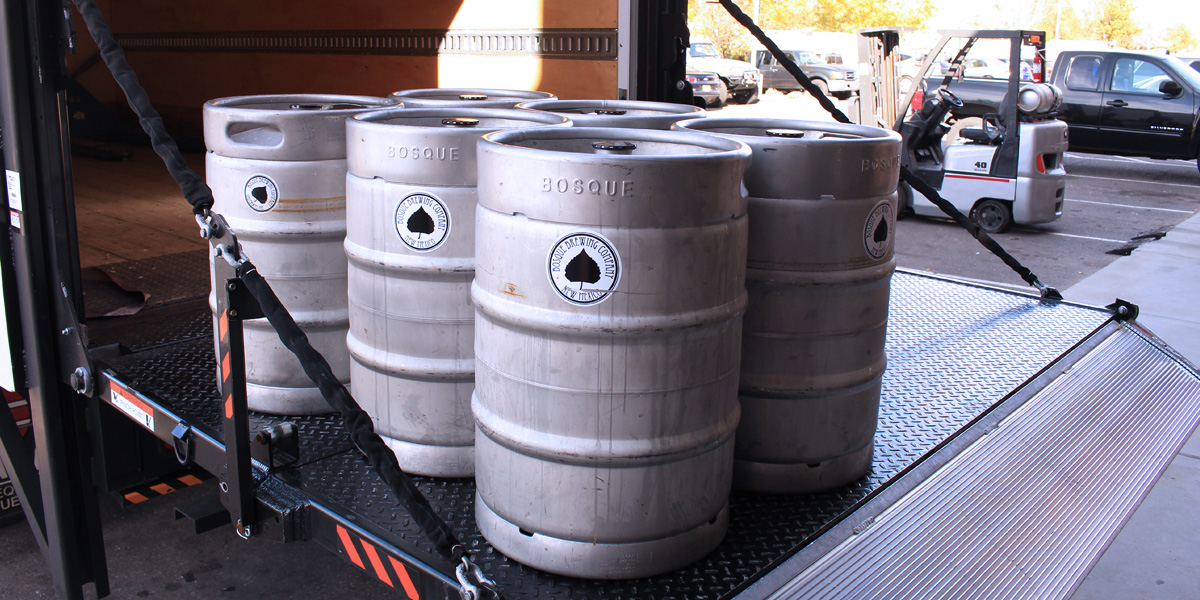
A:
(188, 52)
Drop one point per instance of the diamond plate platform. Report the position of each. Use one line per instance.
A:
(954, 351)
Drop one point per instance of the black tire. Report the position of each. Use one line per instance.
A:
(821, 85)
(992, 216)
(750, 97)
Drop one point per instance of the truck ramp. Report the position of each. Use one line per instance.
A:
(1015, 437)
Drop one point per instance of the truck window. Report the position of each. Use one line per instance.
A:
(1137, 76)
(1084, 72)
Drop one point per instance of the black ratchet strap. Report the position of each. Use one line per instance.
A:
(362, 429)
(195, 191)
(784, 59)
(907, 176)
(980, 235)
(199, 195)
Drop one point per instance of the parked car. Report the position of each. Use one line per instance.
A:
(709, 90)
(1114, 102)
(1192, 62)
(741, 79)
(985, 68)
(837, 81)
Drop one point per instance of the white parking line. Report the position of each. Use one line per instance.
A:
(1130, 159)
(1186, 185)
(1087, 237)
(1174, 210)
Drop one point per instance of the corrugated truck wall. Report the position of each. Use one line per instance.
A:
(188, 52)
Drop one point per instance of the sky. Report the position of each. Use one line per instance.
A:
(1152, 15)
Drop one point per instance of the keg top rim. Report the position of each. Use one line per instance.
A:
(434, 117)
(301, 104)
(760, 128)
(476, 94)
(707, 147)
(632, 108)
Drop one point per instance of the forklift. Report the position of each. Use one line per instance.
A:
(1008, 171)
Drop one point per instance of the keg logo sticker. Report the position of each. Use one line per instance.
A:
(877, 235)
(422, 221)
(261, 193)
(584, 268)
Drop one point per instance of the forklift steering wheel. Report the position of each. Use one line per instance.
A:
(950, 97)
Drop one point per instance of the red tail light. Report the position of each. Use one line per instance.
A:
(1041, 164)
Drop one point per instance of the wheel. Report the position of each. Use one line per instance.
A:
(821, 85)
(904, 85)
(992, 216)
(750, 97)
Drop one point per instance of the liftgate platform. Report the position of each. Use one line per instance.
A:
(1015, 437)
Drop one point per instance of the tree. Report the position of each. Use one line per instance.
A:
(1061, 21)
(1114, 23)
(1179, 39)
(851, 15)
(711, 21)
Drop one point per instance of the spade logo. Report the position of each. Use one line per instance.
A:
(261, 193)
(877, 237)
(584, 268)
(422, 221)
(881, 231)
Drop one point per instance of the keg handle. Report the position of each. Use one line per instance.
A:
(256, 134)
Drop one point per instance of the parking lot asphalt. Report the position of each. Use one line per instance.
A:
(1111, 200)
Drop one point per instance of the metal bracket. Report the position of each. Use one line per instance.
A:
(234, 305)
(181, 439)
(1123, 310)
(77, 367)
(277, 445)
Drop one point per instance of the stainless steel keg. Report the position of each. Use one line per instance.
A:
(476, 97)
(609, 292)
(822, 215)
(410, 240)
(618, 113)
(277, 169)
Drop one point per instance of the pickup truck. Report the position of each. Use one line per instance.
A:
(833, 80)
(1114, 102)
(741, 79)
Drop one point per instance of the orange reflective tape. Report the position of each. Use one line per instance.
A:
(226, 368)
(348, 544)
(190, 480)
(380, 572)
(405, 581)
(135, 497)
(162, 489)
(229, 407)
(223, 326)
